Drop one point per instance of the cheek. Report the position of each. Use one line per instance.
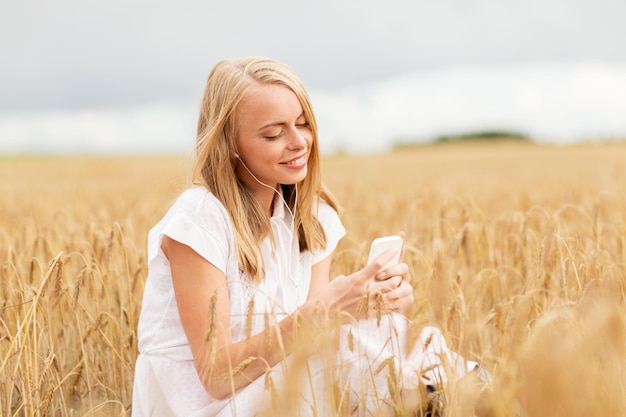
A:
(310, 144)
(264, 156)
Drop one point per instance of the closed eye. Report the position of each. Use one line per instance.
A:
(301, 121)
(270, 137)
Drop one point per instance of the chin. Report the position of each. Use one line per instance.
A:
(292, 182)
(293, 179)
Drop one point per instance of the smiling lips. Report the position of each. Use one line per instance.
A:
(300, 161)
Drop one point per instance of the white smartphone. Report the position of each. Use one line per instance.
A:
(383, 244)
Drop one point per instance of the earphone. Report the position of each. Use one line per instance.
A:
(292, 213)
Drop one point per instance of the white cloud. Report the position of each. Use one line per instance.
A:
(553, 103)
(147, 129)
(550, 102)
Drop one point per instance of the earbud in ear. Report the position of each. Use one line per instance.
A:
(236, 155)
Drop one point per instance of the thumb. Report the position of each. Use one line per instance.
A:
(377, 264)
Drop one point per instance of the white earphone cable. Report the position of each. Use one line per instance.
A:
(292, 213)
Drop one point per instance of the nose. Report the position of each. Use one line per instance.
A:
(298, 140)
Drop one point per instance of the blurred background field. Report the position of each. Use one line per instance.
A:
(518, 253)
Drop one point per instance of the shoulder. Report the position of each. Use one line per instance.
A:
(196, 219)
(324, 212)
(196, 196)
(330, 220)
(197, 200)
(332, 226)
(199, 206)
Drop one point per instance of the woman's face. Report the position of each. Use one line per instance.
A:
(273, 138)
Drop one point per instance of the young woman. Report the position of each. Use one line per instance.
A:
(239, 272)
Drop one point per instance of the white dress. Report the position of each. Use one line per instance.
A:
(166, 383)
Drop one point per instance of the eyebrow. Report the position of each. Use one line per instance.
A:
(278, 123)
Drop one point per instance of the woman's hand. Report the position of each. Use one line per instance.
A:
(361, 295)
(399, 298)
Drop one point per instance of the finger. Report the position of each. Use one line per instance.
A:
(386, 285)
(400, 304)
(406, 276)
(368, 271)
(401, 291)
(399, 269)
(380, 261)
(400, 298)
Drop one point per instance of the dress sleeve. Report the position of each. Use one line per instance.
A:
(199, 221)
(333, 228)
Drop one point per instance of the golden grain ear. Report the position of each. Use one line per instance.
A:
(526, 276)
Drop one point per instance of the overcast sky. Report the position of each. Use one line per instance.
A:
(126, 76)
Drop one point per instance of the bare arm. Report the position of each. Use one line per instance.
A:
(320, 275)
(224, 366)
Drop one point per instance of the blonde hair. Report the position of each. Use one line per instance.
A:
(227, 84)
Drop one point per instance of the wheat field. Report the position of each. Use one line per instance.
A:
(517, 252)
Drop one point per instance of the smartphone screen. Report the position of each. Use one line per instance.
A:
(381, 245)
